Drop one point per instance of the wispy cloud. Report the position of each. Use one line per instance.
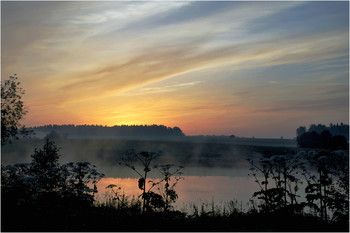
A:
(320, 105)
(163, 60)
(126, 11)
(170, 88)
(148, 68)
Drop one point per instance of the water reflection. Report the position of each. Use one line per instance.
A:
(193, 189)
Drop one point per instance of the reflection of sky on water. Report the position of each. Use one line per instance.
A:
(193, 189)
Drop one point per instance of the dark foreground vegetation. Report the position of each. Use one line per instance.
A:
(99, 219)
(45, 195)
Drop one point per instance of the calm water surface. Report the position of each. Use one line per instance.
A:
(199, 186)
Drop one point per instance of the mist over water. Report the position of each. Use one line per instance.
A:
(187, 151)
(214, 168)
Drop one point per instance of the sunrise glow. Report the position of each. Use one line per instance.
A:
(246, 68)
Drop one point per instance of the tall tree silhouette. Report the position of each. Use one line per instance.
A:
(46, 180)
(12, 110)
(46, 168)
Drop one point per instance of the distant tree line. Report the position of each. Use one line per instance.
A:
(99, 131)
(336, 136)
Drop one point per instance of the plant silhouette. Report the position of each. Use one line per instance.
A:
(326, 174)
(167, 191)
(150, 199)
(327, 183)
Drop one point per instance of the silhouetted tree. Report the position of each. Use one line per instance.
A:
(339, 142)
(341, 129)
(301, 130)
(319, 128)
(321, 136)
(325, 139)
(44, 180)
(12, 110)
(309, 140)
(46, 168)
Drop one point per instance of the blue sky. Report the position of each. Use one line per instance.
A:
(247, 68)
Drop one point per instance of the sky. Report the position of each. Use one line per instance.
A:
(257, 69)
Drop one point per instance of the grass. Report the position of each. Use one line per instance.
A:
(127, 217)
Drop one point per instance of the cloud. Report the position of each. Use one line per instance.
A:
(163, 64)
(170, 50)
(319, 105)
(172, 60)
(121, 12)
(162, 89)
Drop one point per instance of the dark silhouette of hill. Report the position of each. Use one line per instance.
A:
(99, 131)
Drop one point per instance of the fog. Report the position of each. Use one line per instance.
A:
(198, 155)
(214, 168)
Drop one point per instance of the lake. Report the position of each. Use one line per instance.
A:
(215, 168)
(195, 189)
